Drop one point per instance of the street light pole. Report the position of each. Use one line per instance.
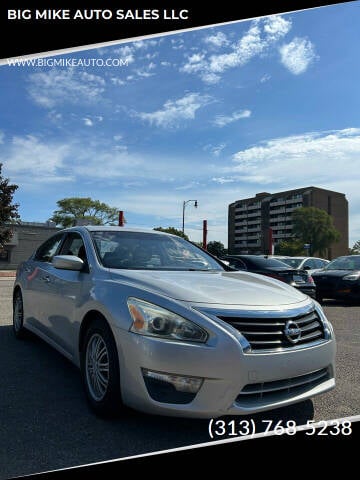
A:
(183, 212)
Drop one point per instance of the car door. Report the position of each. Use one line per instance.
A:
(35, 282)
(65, 293)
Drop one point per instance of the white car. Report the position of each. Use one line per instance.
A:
(311, 264)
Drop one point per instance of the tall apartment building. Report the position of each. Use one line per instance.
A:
(253, 221)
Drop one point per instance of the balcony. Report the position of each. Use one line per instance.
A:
(277, 203)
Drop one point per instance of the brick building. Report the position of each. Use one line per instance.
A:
(251, 220)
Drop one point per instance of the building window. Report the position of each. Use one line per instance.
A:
(4, 256)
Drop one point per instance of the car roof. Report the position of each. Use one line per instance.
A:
(106, 228)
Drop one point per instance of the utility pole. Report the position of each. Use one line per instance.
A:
(121, 219)
(204, 245)
(183, 212)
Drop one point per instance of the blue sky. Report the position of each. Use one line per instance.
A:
(214, 114)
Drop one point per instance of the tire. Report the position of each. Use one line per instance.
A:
(100, 370)
(18, 316)
(318, 298)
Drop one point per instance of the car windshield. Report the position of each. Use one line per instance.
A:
(345, 263)
(263, 262)
(150, 251)
(292, 262)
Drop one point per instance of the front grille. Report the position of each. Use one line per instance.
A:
(269, 333)
(278, 390)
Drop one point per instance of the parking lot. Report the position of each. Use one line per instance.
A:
(45, 423)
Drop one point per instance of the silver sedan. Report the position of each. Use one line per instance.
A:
(157, 324)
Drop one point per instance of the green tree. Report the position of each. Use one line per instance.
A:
(198, 244)
(314, 226)
(8, 209)
(291, 247)
(216, 248)
(173, 231)
(355, 250)
(86, 209)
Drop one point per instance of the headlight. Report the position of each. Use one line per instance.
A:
(352, 276)
(328, 329)
(149, 319)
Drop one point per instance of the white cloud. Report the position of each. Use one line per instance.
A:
(297, 55)
(177, 43)
(265, 78)
(188, 186)
(129, 52)
(218, 39)
(88, 122)
(2, 136)
(117, 138)
(311, 158)
(174, 112)
(144, 73)
(223, 120)
(126, 53)
(91, 78)
(215, 150)
(56, 86)
(223, 180)
(32, 160)
(117, 81)
(55, 116)
(276, 27)
(260, 37)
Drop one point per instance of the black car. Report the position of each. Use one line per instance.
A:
(340, 279)
(273, 268)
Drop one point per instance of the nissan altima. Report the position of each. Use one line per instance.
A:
(156, 324)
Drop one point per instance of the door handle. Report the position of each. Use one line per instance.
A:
(46, 279)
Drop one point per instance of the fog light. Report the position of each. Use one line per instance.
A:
(179, 382)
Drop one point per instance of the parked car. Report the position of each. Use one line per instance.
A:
(340, 279)
(311, 264)
(274, 268)
(157, 324)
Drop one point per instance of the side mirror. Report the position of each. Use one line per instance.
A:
(67, 262)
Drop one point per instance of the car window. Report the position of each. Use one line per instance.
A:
(74, 245)
(292, 262)
(310, 263)
(345, 263)
(264, 262)
(236, 263)
(150, 251)
(47, 250)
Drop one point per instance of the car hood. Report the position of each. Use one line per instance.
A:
(226, 288)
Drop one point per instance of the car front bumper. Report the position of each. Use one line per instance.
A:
(226, 371)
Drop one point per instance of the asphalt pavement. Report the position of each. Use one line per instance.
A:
(45, 423)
